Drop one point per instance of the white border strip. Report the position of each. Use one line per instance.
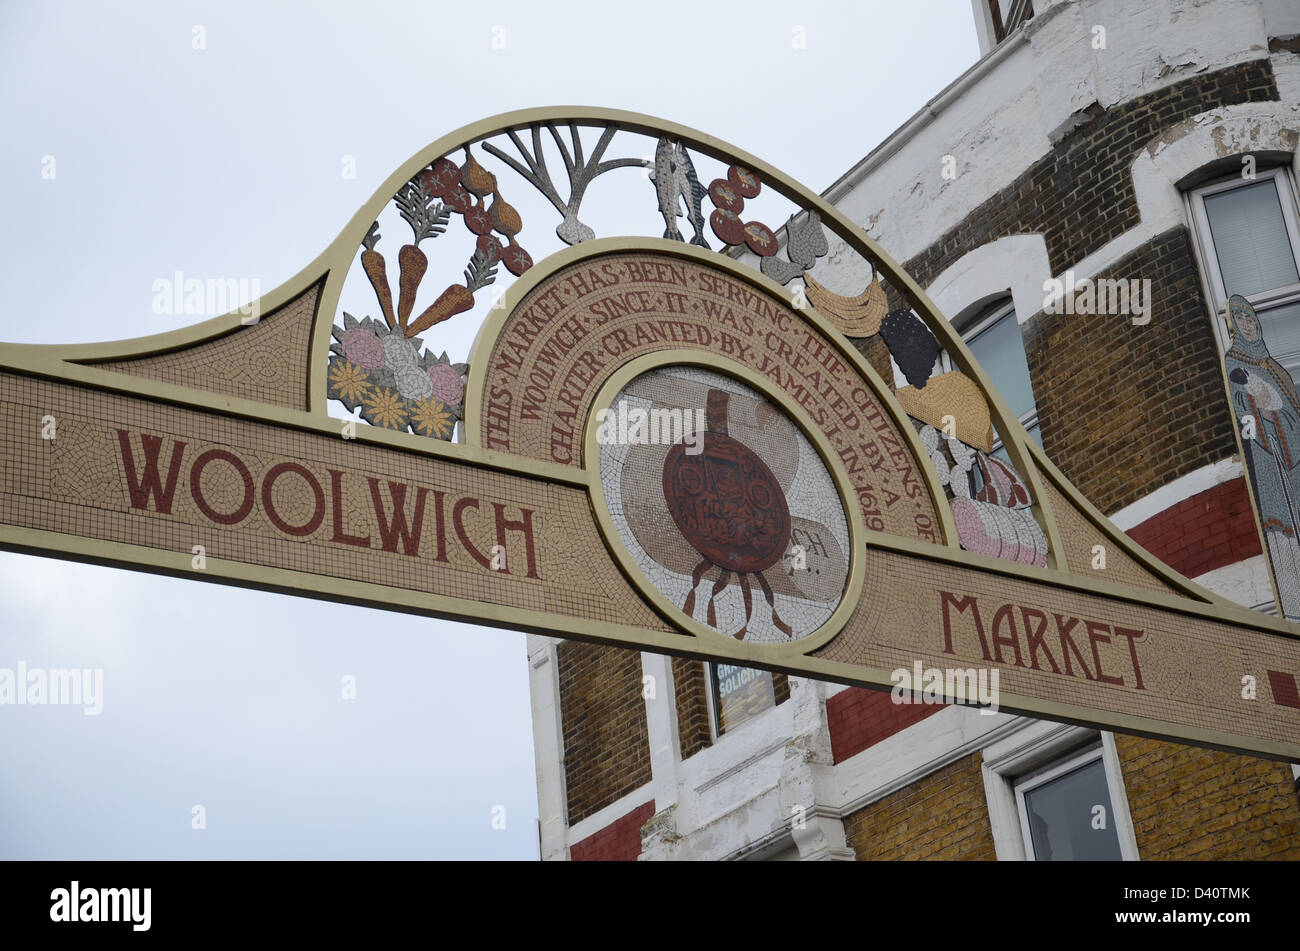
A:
(1182, 488)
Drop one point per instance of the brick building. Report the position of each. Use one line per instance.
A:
(1092, 140)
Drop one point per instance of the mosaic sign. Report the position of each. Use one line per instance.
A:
(740, 510)
(1267, 412)
(653, 443)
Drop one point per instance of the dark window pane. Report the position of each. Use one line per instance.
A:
(1061, 817)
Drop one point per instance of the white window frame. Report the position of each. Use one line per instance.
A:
(1203, 243)
(1016, 14)
(972, 329)
(1042, 749)
(986, 27)
(711, 691)
(1026, 784)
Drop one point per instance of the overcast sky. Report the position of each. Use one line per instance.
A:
(226, 161)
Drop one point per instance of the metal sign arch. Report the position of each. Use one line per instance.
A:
(142, 421)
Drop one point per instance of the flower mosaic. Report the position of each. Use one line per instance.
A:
(395, 382)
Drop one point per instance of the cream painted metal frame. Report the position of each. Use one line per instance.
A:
(71, 364)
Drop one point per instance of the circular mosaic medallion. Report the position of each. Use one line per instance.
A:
(723, 504)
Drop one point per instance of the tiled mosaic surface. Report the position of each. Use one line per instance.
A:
(262, 495)
(807, 582)
(1267, 415)
(990, 502)
(1079, 536)
(1190, 668)
(573, 330)
(264, 361)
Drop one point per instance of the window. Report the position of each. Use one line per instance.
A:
(1007, 15)
(738, 694)
(1066, 811)
(995, 341)
(1247, 237)
(1056, 793)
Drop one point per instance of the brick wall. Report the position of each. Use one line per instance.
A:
(1204, 531)
(1190, 803)
(859, 718)
(1080, 194)
(780, 688)
(941, 816)
(1126, 409)
(602, 711)
(1186, 803)
(690, 684)
(620, 841)
(1116, 428)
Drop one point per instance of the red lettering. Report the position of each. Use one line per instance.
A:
(1132, 637)
(150, 484)
(268, 499)
(1002, 616)
(1067, 644)
(336, 497)
(947, 599)
(524, 525)
(440, 532)
(1095, 637)
(196, 487)
(457, 521)
(1036, 638)
(398, 529)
